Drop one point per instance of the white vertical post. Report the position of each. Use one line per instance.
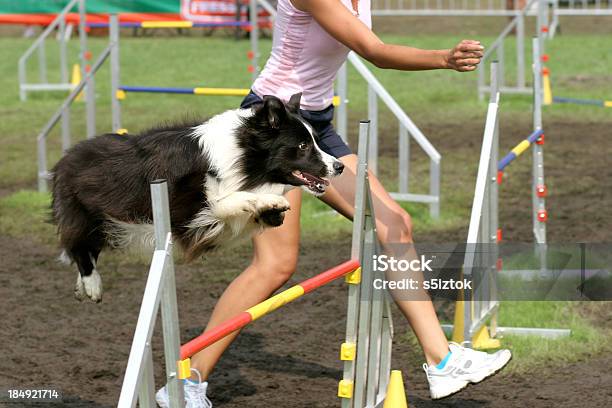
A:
(520, 51)
(342, 108)
(355, 289)
(500, 66)
(541, 24)
(373, 140)
(90, 91)
(404, 160)
(82, 33)
(115, 72)
(368, 239)
(539, 203)
(480, 208)
(493, 227)
(64, 79)
(62, 50)
(254, 36)
(481, 82)
(66, 129)
(146, 390)
(434, 188)
(169, 309)
(42, 63)
(21, 71)
(41, 145)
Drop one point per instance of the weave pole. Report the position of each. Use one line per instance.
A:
(535, 140)
(267, 306)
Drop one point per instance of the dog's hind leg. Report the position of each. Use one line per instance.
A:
(89, 282)
(82, 236)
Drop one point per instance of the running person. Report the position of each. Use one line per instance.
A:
(311, 41)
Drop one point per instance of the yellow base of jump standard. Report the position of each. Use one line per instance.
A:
(481, 339)
(76, 79)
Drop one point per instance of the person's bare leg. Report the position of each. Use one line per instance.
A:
(274, 260)
(393, 226)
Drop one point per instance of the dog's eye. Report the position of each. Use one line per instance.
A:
(302, 146)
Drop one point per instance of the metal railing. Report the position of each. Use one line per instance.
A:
(547, 13)
(482, 8)
(407, 130)
(160, 290)
(483, 226)
(582, 8)
(63, 112)
(497, 51)
(63, 36)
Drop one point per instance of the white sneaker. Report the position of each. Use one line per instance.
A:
(464, 366)
(195, 394)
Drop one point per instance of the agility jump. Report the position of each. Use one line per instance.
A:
(123, 90)
(549, 98)
(366, 352)
(350, 269)
(174, 24)
(473, 314)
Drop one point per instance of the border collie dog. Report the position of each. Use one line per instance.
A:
(226, 179)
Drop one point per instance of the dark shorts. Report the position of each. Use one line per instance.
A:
(329, 141)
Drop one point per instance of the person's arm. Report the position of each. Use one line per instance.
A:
(338, 21)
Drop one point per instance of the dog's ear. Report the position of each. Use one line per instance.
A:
(294, 103)
(273, 111)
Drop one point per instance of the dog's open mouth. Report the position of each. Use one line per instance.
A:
(313, 183)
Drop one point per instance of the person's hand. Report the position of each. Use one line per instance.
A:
(465, 56)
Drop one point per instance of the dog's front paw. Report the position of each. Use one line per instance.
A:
(271, 210)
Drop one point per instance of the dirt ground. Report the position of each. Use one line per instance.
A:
(289, 359)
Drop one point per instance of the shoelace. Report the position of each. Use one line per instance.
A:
(426, 369)
(201, 397)
(460, 349)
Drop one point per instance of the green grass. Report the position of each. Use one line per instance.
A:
(26, 214)
(587, 339)
(580, 68)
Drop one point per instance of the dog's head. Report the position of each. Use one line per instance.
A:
(286, 146)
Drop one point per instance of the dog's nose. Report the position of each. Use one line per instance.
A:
(338, 167)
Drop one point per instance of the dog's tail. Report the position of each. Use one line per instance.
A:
(139, 236)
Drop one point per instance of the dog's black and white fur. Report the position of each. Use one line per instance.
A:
(226, 179)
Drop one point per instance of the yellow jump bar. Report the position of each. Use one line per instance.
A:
(221, 91)
(167, 24)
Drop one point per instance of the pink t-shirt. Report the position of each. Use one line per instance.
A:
(304, 58)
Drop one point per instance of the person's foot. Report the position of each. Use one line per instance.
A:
(463, 366)
(195, 394)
